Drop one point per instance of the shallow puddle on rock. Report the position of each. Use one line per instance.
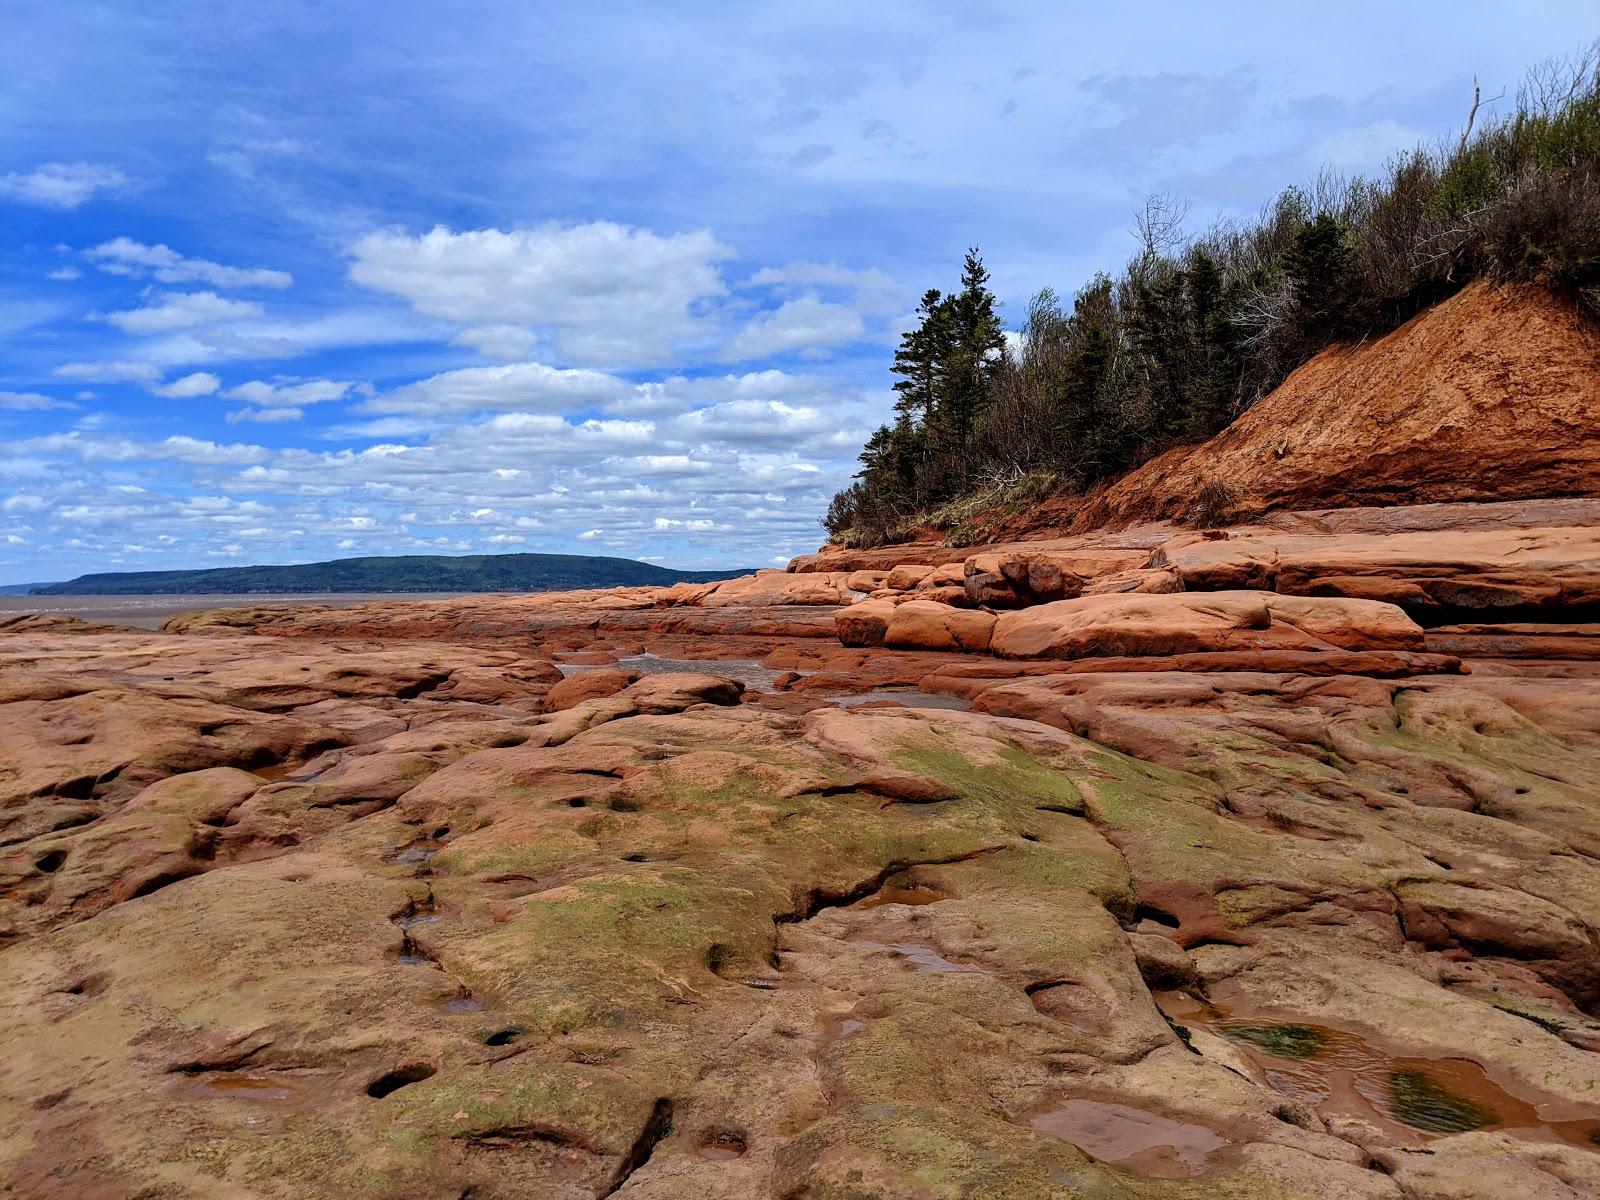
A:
(902, 891)
(239, 1086)
(463, 1004)
(420, 851)
(721, 1147)
(925, 959)
(838, 1026)
(1339, 1071)
(1130, 1137)
(278, 772)
(910, 697)
(747, 671)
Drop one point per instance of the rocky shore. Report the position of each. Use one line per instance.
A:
(1251, 862)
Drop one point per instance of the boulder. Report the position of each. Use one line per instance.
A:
(1019, 576)
(779, 587)
(587, 685)
(905, 577)
(927, 625)
(955, 595)
(1150, 580)
(1484, 569)
(865, 581)
(864, 624)
(943, 576)
(1136, 624)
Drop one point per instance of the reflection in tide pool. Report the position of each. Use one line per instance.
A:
(1130, 1137)
(1340, 1071)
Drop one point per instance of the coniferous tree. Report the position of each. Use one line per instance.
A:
(1315, 265)
(921, 359)
(975, 340)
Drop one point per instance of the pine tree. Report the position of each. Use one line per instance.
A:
(1315, 265)
(975, 339)
(921, 359)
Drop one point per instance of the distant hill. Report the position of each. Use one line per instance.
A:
(403, 573)
(24, 589)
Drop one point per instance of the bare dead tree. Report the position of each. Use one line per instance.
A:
(1477, 102)
(1158, 226)
(1555, 82)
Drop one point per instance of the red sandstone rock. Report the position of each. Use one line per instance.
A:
(906, 577)
(865, 581)
(1009, 578)
(1487, 569)
(587, 685)
(1190, 622)
(927, 625)
(864, 624)
(779, 587)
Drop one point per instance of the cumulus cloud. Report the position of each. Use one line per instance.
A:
(283, 401)
(516, 386)
(200, 383)
(291, 394)
(499, 341)
(605, 294)
(122, 449)
(806, 323)
(31, 402)
(124, 256)
(870, 281)
(61, 185)
(182, 310)
(110, 372)
(265, 416)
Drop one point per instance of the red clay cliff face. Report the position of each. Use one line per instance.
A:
(1492, 395)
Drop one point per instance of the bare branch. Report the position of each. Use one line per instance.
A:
(1477, 102)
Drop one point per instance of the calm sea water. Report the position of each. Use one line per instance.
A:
(147, 612)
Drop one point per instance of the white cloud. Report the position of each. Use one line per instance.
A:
(65, 274)
(121, 449)
(802, 275)
(277, 403)
(265, 416)
(61, 185)
(110, 372)
(759, 422)
(604, 293)
(499, 341)
(530, 387)
(311, 391)
(182, 310)
(200, 383)
(806, 323)
(30, 402)
(589, 535)
(124, 256)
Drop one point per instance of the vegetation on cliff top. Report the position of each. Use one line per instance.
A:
(1191, 333)
(402, 573)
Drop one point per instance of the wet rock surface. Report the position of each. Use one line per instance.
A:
(1241, 893)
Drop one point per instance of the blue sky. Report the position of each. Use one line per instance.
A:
(297, 281)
